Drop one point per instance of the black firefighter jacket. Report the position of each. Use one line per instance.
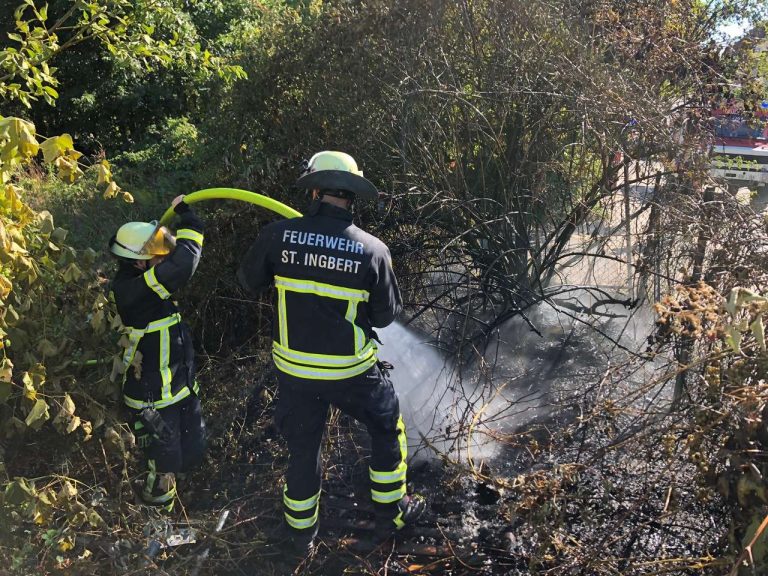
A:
(159, 356)
(334, 284)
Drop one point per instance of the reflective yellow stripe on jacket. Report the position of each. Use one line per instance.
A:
(189, 234)
(152, 281)
(322, 366)
(134, 337)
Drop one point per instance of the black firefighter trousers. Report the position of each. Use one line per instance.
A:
(300, 416)
(180, 451)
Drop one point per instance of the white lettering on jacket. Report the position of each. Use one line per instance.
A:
(322, 241)
(331, 262)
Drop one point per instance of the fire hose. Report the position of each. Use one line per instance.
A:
(234, 194)
(219, 194)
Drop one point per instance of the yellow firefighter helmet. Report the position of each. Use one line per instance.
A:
(330, 170)
(142, 241)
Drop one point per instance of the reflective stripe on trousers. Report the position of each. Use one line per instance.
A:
(388, 486)
(301, 514)
(159, 489)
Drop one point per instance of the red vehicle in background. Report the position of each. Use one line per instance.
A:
(740, 150)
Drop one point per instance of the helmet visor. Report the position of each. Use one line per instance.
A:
(160, 243)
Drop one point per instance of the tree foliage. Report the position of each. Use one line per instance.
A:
(148, 33)
(47, 289)
(129, 64)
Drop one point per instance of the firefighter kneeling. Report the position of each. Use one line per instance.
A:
(323, 342)
(159, 387)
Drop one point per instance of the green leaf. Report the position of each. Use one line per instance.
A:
(59, 235)
(13, 427)
(67, 492)
(19, 492)
(97, 321)
(5, 390)
(38, 415)
(73, 425)
(6, 370)
(11, 318)
(72, 273)
(759, 550)
(103, 173)
(94, 519)
(47, 348)
(733, 339)
(111, 190)
(37, 375)
(67, 169)
(56, 146)
(46, 223)
(740, 297)
(758, 330)
(20, 139)
(29, 388)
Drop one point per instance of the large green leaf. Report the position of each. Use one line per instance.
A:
(104, 173)
(65, 421)
(13, 427)
(56, 146)
(19, 492)
(38, 415)
(46, 223)
(19, 140)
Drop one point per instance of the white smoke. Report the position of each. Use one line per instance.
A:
(516, 381)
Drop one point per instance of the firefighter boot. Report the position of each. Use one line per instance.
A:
(300, 544)
(160, 490)
(410, 508)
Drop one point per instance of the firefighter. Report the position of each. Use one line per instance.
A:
(334, 284)
(159, 387)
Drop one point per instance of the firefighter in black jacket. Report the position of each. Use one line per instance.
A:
(159, 387)
(334, 284)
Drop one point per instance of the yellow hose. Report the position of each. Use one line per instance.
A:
(234, 194)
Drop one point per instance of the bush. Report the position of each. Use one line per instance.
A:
(165, 163)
